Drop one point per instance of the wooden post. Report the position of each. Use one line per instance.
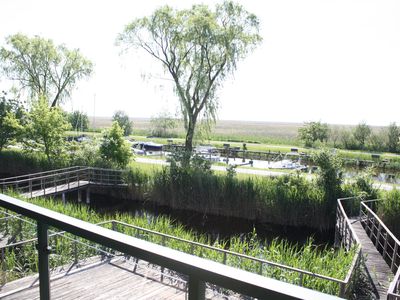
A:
(79, 196)
(43, 251)
(63, 198)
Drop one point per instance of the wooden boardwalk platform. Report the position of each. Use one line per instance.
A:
(378, 269)
(59, 189)
(118, 279)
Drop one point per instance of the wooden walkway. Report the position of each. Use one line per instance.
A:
(59, 189)
(118, 279)
(378, 269)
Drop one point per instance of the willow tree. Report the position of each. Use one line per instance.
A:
(199, 48)
(41, 67)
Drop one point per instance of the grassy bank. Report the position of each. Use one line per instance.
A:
(21, 261)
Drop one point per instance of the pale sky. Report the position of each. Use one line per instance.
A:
(336, 61)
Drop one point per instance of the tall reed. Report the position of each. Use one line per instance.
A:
(327, 261)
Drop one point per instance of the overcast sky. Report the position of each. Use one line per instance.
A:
(336, 61)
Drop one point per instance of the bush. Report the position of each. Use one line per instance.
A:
(114, 150)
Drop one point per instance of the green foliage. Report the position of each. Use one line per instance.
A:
(42, 67)
(87, 153)
(329, 178)
(11, 120)
(162, 125)
(114, 149)
(312, 132)
(389, 210)
(361, 134)
(45, 130)
(393, 141)
(79, 121)
(198, 47)
(21, 261)
(123, 121)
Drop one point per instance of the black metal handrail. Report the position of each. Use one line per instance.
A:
(197, 269)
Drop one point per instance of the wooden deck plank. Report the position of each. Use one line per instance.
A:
(106, 281)
(377, 267)
(57, 189)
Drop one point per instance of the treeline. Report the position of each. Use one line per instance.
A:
(361, 137)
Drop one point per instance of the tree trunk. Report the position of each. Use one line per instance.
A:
(189, 136)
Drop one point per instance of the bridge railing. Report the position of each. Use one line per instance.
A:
(197, 269)
(52, 182)
(346, 237)
(38, 174)
(385, 241)
(394, 288)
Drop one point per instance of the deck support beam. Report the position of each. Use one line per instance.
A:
(197, 288)
(88, 195)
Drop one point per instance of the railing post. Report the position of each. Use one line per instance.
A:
(75, 252)
(197, 288)
(342, 291)
(88, 195)
(301, 279)
(3, 266)
(396, 247)
(378, 235)
(43, 251)
(30, 187)
(385, 246)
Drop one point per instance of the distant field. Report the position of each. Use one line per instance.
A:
(284, 133)
(223, 128)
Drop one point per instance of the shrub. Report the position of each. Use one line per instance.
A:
(114, 149)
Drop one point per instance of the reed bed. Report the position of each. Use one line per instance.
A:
(389, 210)
(22, 260)
(290, 200)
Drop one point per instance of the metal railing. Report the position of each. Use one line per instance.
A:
(263, 264)
(347, 238)
(197, 269)
(62, 180)
(385, 242)
(394, 288)
(164, 241)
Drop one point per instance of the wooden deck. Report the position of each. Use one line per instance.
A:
(378, 269)
(65, 188)
(118, 279)
(59, 189)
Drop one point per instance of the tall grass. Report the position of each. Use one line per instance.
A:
(21, 261)
(389, 211)
(290, 200)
